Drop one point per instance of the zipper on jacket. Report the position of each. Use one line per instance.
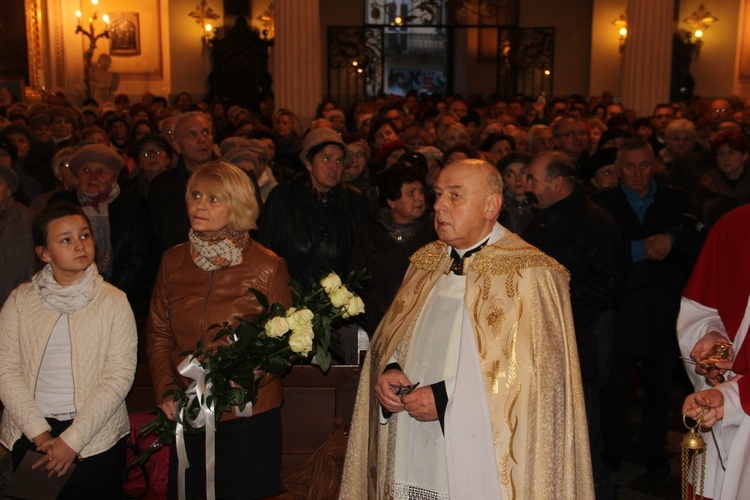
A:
(46, 343)
(205, 306)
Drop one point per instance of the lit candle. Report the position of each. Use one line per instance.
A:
(94, 3)
(78, 16)
(105, 17)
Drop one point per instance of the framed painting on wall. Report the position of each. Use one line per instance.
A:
(124, 34)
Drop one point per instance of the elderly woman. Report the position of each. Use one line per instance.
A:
(434, 164)
(385, 243)
(254, 157)
(382, 131)
(356, 173)
(452, 134)
(66, 179)
(313, 219)
(726, 186)
(204, 282)
(680, 138)
(499, 145)
(119, 221)
(32, 160)
(152, 152)
(28, 188)
(288, 131)
(516, 212)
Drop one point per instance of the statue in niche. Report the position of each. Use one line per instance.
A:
(103, 82)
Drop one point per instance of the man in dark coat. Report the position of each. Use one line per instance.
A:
(660, 249)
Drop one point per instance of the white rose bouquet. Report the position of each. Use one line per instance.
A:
(270, 342)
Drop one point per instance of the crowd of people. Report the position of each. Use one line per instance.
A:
(191, 204)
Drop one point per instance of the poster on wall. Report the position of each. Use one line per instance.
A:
(124, 34)
(400, 81)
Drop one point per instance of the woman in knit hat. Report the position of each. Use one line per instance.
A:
(312, 220)
(119, 221)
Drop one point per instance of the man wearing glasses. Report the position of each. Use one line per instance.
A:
(572, 139)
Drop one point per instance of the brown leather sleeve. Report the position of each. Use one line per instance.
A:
(270, 393)
(278, 287)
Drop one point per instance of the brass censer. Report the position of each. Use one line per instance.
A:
(693, 451)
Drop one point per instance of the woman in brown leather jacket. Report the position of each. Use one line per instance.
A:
(204, 282)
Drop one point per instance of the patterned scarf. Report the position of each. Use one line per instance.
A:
(66, 299)
(224, 249)
(96, 208)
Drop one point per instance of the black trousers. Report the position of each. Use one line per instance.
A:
(97, 476)
(248, 459)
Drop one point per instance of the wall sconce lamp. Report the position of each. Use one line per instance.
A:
(208, 30)
(267, 21)
(699, 21)
(92, 37)
(202, 14)
(621, 24)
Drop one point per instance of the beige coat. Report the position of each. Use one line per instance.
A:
(104, 349)
(519, 305)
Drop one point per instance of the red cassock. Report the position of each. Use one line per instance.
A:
(721, 280)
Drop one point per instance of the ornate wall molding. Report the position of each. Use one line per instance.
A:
(56, 45)
(33, 16)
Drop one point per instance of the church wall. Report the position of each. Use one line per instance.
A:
(606, 59)
(148, 71)
(714, 67)
(336, 13)
(572, 23)
(742, 84)
(190, 62)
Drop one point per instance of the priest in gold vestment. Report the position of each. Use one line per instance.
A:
(471, 388)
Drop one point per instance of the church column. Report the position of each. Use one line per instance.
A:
(647, 60)
(297, 57)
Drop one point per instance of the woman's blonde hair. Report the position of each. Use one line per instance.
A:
(232, 185)
(296, 123)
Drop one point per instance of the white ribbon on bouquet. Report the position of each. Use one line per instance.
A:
(191, 368)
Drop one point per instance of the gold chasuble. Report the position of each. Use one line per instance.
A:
(518, 303)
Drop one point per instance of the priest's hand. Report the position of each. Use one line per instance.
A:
(714, 376)
(386, 387)
(708, 405)
(420, 404)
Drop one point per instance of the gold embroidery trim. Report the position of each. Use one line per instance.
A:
(429, 256)
(493, 260)
(492, 264)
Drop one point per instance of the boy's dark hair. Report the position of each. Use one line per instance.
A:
(53, 212)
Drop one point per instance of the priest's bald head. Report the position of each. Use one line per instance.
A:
(468, 199)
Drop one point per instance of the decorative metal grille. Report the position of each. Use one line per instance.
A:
(441, 12)
(525, 57)
(355, 62)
